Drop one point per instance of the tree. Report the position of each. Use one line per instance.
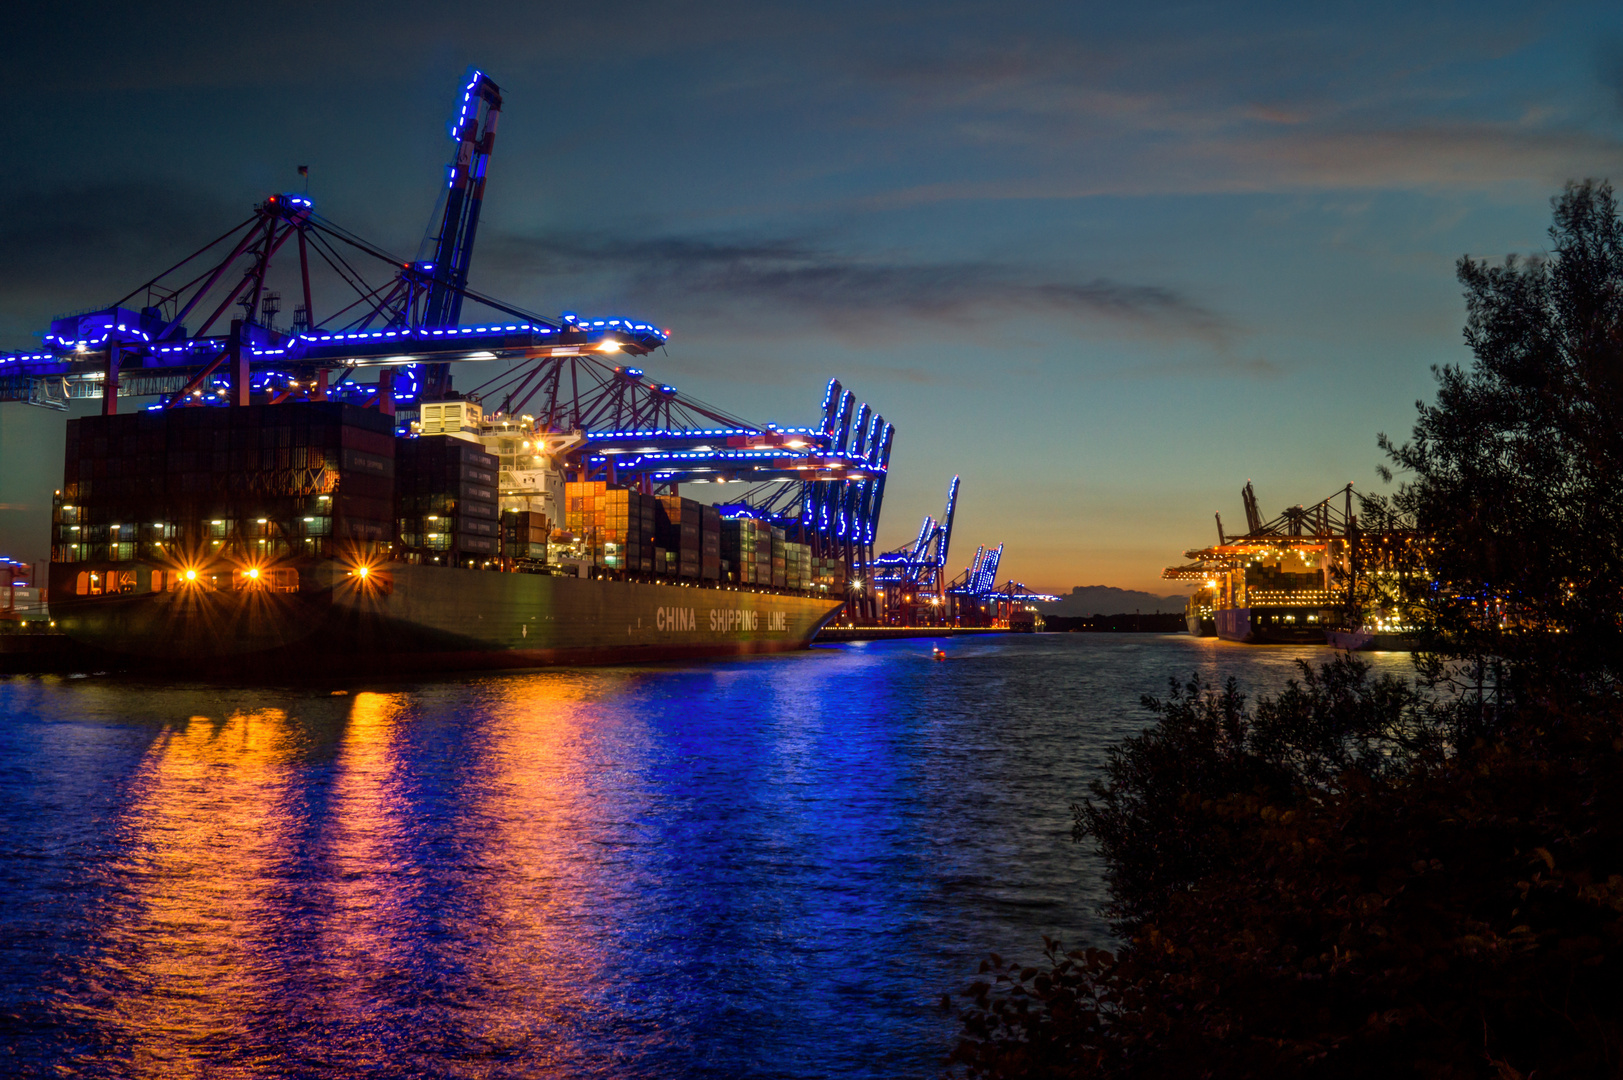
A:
(1460, 917)
(1515, 470)
(1157, 817)
(1356, 878)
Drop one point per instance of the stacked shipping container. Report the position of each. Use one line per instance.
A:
(754, 553)
(524, 536)
(255, 483)
(738, 540)
(325, 479)
(630, 519)
(612, 527)
(709, 543)
(780, 560)
(677, 531)
(828, 575)
(446, 500)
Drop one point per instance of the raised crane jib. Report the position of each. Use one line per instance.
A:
(1253, 516)
(988, 576)
(474, 132)
(943, 539)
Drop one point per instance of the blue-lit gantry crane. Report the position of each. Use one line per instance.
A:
(909, 584)
(976, 599)
(910, 587)
(382, 332)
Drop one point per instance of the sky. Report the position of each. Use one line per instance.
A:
(1105, 262)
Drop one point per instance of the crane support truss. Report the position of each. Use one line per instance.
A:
(211, 318)
(1329, 519)
(144, 337)
(823, 486)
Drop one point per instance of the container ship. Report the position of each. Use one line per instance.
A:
(310, 536)
(1278, 583)
(273, 510)
(1312, 575)
(1200, 611)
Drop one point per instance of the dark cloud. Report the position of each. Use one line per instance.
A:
(202, 44)
(781, 276)
(1609, 71)
(1310, 100)
(79, 247)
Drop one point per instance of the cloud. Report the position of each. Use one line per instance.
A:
(1239, 104)
(781, 277)
(77, 247)
(1434, 159)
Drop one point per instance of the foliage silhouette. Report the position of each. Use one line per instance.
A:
(1361, 877)
(1514, 471)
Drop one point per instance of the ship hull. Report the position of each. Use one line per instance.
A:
(1361, 640)
(405, 618)
(1268, 626)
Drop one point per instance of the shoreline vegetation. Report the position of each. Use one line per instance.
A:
(1373, 876)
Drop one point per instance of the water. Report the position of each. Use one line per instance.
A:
(770, 867)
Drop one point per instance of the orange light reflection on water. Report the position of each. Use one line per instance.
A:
(208, 825)
(540, 912)
(391, 888)
(358, 844)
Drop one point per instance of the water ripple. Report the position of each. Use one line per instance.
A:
(761, 868)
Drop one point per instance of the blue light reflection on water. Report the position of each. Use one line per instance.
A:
(766, 867)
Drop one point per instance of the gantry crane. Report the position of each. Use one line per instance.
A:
(204, 333)
(909, 583)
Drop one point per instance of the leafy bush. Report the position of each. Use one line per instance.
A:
(1157, 822)
(1331, 889)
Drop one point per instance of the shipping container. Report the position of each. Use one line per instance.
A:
(446, 500)
(258, 482)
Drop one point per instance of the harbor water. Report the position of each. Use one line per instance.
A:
(769, 867)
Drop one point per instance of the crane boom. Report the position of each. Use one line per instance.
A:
(474, 132)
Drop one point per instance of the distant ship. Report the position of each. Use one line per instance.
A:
(1273, 585)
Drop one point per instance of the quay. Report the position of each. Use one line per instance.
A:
(890, 633)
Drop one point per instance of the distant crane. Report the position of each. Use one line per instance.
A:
(909, 583)
(977, 600)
